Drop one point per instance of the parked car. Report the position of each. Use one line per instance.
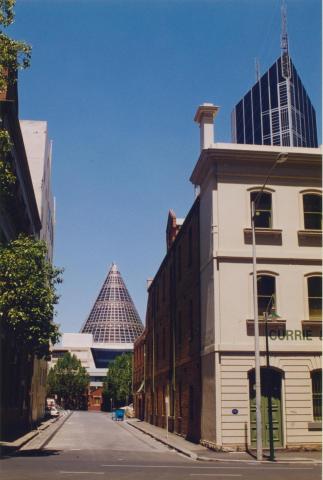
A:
(54, 412)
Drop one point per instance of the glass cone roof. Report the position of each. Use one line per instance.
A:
(113, 318)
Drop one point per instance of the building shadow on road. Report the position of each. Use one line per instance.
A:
(7, 452)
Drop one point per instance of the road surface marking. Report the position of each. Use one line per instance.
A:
(79, 473)
(276, 467)
(215, 475)
(166, 466)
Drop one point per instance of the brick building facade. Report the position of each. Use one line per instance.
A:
(139, 375)
(167, 355)
(94, 399)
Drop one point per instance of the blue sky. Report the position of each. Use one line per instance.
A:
(119, 82)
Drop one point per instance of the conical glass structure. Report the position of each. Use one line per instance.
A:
(113, 318)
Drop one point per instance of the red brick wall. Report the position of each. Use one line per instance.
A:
(95, 399)
(138, 376)
(172, 338)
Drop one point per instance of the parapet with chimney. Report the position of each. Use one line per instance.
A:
(205, 116)
(173, 227)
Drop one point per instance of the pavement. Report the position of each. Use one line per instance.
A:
(198, 452)
(38, 436)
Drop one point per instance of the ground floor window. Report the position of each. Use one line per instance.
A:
(317, 394)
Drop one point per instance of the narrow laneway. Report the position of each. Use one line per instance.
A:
(96, 431)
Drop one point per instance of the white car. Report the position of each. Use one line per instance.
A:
(54, 412)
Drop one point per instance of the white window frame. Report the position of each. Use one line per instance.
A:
(308, 191)
(273, 204)
(306, 296)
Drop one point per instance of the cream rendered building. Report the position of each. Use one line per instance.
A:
(288, 271)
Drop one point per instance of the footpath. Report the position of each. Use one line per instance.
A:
(37, 438)
(198, 452)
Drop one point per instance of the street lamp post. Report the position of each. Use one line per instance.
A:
(281, 158)
(271, 307)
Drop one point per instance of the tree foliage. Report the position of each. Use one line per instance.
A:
(118, 382)
(14, 55)
(69, 381)
(6, 12)
(7, 177)
(28, 294)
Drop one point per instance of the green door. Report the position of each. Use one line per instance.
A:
(270, 407)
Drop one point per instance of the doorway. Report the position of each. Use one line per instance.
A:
(271, 407)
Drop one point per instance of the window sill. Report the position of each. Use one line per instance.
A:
(312, 327)
(278, 321)
(264, 236)
(312, 323)
(277, 324)
(315, 426)
(309, 238)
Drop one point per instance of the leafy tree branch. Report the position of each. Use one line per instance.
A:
(118, 382)
(14, 55)
(28, 294)
(7, 177)
(6, 12)
(69, 381)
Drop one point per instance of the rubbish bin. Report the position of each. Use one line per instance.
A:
(119, 415)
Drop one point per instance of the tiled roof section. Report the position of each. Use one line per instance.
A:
(113, 318)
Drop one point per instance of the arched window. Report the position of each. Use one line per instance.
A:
(263, 209)
(312, 206)
(266, 292)
(314, 295)
(317, 394)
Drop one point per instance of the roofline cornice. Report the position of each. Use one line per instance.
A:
(237, 155)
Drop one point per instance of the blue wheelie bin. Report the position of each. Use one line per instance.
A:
(119, 415)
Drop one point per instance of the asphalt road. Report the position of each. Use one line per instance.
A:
(90, 445)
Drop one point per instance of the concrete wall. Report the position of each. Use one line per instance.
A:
(39, 155)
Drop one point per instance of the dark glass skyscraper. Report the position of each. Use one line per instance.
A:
(276, 111)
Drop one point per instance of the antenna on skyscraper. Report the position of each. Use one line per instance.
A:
(284, 42)
(257, 69)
